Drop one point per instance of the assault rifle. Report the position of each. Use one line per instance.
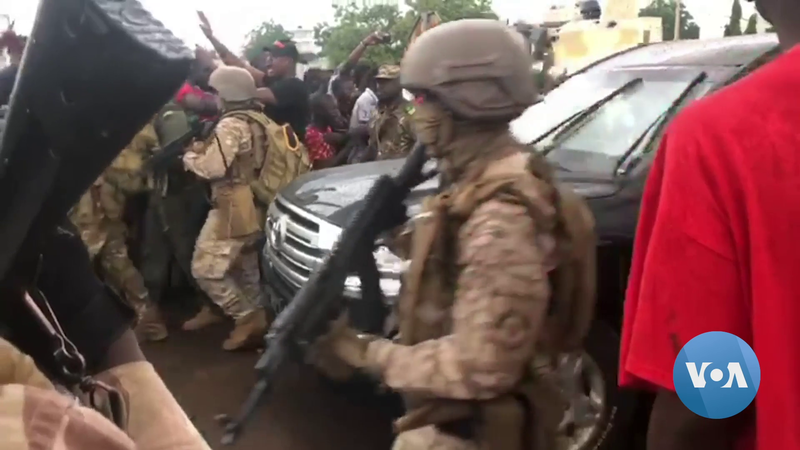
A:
(160, 161)
(320, 301)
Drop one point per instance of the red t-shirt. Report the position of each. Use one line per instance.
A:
(717, 245)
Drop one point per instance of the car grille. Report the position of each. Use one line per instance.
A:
(292, 243)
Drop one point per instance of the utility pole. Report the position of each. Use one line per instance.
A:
(677, 20)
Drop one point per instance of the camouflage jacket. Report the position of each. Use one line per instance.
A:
(390, 132)
(474, 298)
(34, 415)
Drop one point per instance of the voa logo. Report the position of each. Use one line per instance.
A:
(716, 375)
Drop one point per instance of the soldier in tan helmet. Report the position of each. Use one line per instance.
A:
(474, 304)
(225, 261)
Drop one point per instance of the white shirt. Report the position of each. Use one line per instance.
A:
(363, 109)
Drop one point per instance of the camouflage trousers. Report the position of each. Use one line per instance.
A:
(108, 247)
(430, 438)
(227, 269)
(119, 271)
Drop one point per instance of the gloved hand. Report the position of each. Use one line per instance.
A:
(339, 352)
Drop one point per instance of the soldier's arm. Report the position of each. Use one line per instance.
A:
(213, 161)
(500, 303)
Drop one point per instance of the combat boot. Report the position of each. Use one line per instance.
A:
(207, 316)
(150, 326)
(249, 331)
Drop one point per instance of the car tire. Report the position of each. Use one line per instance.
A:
(615, 427)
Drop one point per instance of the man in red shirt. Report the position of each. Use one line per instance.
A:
(717, 250)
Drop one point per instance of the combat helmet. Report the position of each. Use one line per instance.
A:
(233, 84)
(478, 68)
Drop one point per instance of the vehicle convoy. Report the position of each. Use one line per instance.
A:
(600, 129)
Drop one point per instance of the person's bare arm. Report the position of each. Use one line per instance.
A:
(674, 427)
(227, 56)
(358, 52)
(199, 105)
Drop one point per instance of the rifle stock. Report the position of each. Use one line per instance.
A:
(319, 301)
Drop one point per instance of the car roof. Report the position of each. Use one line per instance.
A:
(722, 52)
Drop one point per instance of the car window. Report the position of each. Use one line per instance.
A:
(615, 126)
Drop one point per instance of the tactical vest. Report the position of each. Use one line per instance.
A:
(232, 196)
(284, 157)
(536, 405)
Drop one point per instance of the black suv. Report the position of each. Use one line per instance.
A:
(600, 129)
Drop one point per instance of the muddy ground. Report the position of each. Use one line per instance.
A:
(304, 412)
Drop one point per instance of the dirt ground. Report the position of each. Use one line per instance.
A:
(304, 412)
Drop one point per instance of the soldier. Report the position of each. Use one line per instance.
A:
(225, 261)
(476, 295)
(390, 134)
(98, 216)
(176, 210)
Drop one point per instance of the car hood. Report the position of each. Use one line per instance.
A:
(336, 194)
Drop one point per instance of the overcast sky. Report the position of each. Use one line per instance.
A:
(232, 19)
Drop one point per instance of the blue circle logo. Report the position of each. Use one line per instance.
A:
(716, 375)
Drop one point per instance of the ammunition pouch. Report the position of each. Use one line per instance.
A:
(526, 419)
(238, 216)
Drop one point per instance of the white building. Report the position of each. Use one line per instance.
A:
(366, 3)
(309, 50)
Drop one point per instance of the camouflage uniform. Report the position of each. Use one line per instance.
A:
(475, 296)
(33, 414)
(390, 132)
(98, 216)
(225, 261)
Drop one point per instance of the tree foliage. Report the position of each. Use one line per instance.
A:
(734, 26)
(266, 34)
(665, 9)
(752, 25)
(352, 24)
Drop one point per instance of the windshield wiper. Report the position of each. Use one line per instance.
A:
(579, 116)
(621, 166)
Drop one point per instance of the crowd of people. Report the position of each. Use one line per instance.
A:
(713, 250)
(202, 216)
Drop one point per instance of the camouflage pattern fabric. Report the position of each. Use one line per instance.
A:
(226, 267)
(40, 419)
(98, 218)
(390, 130)
(35, 416)
(474, 340)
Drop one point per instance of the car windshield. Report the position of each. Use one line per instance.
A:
(616, 125)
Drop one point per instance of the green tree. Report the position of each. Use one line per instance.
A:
(752, 25)
(665, 9)
(734, 26)
(352, 24)
(266, 34)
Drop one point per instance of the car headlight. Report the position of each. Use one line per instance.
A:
(391, 268)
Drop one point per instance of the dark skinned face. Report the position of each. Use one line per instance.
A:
(388, 89)
(346, 91)
(281, 66)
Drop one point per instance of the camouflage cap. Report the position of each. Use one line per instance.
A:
(233, 84)
(388, 72)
